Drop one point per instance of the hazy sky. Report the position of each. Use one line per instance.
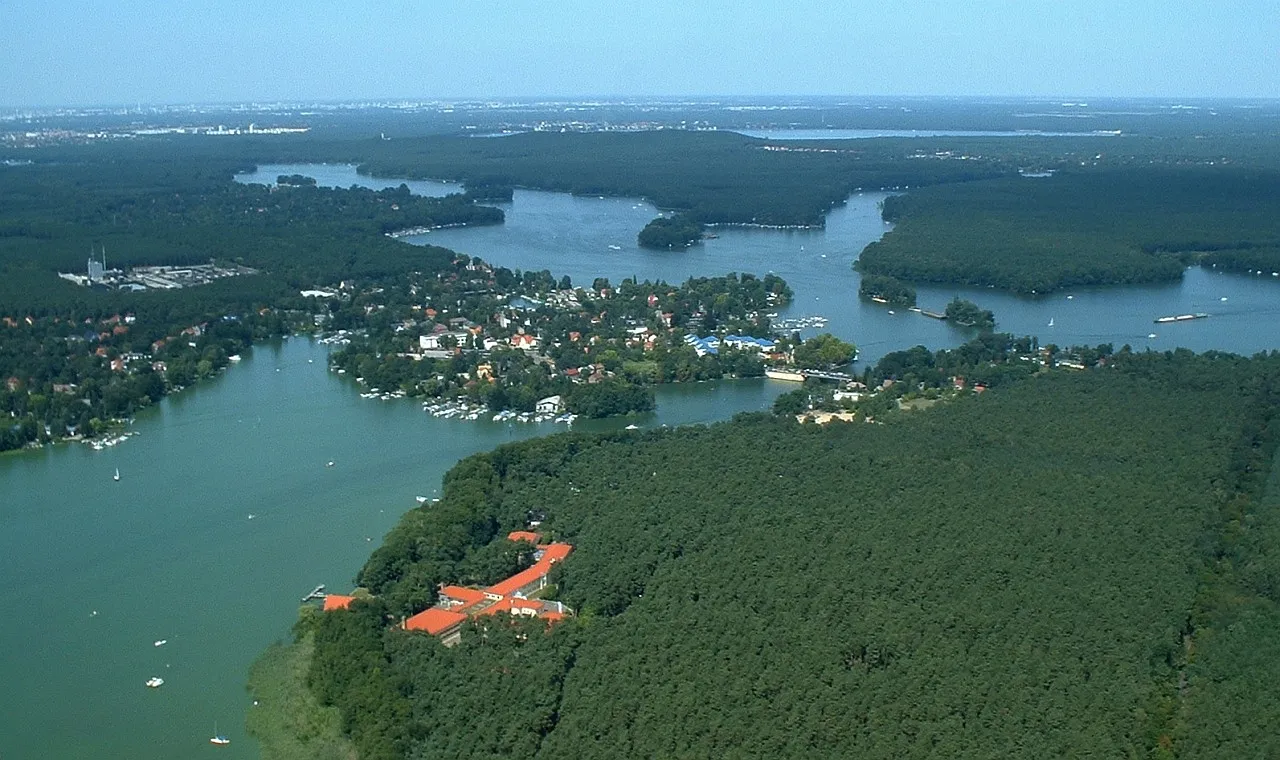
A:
(65, 52)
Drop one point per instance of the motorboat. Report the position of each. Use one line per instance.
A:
(155, 682)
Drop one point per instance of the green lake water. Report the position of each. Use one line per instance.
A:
(170, 551)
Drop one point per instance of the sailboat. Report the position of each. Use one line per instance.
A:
(117, 475)
(1051, 321)
(218, 738)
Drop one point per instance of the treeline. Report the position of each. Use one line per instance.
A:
(977, 580)
(712, 177)
(1035, 235)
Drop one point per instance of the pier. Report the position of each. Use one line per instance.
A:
(933, 314)
(316, 593)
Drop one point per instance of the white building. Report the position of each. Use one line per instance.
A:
(549, 405)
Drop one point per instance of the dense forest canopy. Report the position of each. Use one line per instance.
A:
(668, 232)
(1058, 567)
(1040, 234)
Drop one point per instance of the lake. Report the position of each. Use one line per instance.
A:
(574, 235)
(226, 513)
(224, 516)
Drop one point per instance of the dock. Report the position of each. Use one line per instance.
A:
(933, 314)
(316, 593)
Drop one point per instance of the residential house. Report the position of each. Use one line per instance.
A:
(524, 342)
(549, 405)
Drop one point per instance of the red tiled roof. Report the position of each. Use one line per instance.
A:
(554, 552)
(544, 610)
(519, 580)
(468, 596)
(524, 535)
(551, 553)
(337, 602)
(434, 620)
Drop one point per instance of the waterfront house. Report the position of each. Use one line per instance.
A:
(748, 343)
(703, 346)
(549, 405)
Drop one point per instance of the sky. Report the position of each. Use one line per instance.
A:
(124, 52)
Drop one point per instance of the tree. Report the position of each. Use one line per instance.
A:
(968, 314)
(824, 351)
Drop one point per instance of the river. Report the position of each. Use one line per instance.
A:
(99, 570)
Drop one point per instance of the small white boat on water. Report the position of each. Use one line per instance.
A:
(421, 499)
(161, 642)
(117, 475)
(632, 427)
(155, 682)
(615, 248)
(218, 738)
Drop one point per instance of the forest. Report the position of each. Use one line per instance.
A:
(711, 177)
(1071, 564)
(1096, 227)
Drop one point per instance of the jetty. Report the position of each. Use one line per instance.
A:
(316, 593)
(933, 314)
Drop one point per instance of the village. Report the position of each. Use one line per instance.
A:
(524, 343)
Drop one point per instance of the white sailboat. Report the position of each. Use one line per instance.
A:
(117, 475)
(1051, 321)
(218, 738)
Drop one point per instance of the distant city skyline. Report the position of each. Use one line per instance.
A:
(76, 53)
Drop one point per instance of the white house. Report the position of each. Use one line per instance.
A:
(549, 405)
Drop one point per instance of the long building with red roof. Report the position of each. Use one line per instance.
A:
(457, 604)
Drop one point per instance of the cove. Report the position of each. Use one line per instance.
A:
(224, 516)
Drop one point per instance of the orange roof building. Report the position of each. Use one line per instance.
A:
(460, 598)
(539, 608)
(446, 624)
(337, 602)
(533, 578)
(524, 535)
(457, 604)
